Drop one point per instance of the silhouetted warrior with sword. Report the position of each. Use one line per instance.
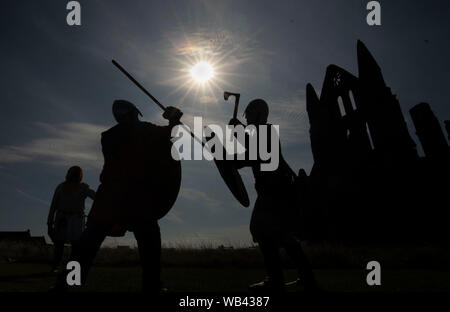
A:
(274, 219)
(139, 183)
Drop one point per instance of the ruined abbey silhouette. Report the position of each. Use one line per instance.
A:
(368, 181)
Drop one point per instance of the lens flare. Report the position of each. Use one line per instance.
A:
(202, 72)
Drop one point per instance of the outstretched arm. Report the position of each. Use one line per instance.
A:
(90, 193)
(173, 115)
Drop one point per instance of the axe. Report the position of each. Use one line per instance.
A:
(226, 95)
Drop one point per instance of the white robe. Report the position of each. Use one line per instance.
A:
(67, 213)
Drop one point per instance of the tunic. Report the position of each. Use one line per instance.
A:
(67, 212)
(275, 212)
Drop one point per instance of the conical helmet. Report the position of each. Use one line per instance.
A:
(124, 110)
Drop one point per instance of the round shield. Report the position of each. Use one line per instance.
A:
(233, 180)
(230, 175)
(168, 187)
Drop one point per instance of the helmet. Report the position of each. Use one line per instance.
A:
(260, 107)
(124, 111)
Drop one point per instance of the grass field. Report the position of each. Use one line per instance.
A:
(338, 268)
(26, 277)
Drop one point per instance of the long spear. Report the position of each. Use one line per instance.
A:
(123, 70)
(138, 84)
(226, 169)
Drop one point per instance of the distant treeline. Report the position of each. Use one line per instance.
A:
(322, 255)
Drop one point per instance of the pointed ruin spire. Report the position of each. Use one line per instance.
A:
(429, 131)
(312, 101)
(367, 66)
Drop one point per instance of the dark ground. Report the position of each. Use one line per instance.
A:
(338, 268)
(27, 277)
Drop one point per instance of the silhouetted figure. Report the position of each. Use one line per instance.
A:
(274, 220)
(66, 217)
(136, 154)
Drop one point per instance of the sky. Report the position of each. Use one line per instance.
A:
(58, 86)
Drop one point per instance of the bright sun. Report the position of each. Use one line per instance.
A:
(202, 72)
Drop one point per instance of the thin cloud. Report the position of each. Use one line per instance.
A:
(207, 99)
(195, 195)
(33, 198)
(290, 114)
(62, 145)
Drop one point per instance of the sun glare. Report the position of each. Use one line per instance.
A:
(202, 72)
